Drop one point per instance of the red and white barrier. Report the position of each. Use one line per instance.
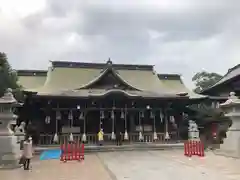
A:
(72, 151)
(192, 147)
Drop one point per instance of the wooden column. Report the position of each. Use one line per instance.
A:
(167, 137)
(141, 138)
(82, 116)
(58, 118)
(125, 124)
(154, 127)
(70, 118)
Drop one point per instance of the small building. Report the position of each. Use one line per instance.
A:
(219, 92)
(82, 98)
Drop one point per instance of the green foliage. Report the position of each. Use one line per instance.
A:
(204, 117)
(204, 80)
(8, 77)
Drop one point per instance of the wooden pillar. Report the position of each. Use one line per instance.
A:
(113, 136)
(167, 137)
(70, 118)
(154, 127)
(125, 124)
(58, 118)
(82, 116)
(141, 138)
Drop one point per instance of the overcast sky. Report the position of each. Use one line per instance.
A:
(177, 36)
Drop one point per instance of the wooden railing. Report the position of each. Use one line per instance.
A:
(47, 139)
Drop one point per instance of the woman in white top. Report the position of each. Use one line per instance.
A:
(27, 152)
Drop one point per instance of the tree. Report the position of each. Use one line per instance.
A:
(8, 77)
(204, 80)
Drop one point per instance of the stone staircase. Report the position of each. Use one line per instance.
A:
(110, 148)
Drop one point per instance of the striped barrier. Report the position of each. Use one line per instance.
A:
(72, 151)
(192, 147)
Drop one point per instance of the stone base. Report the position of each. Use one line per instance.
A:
(231, 154)
(109, 148)
(9, 152)
(231, 145)
(10, 165)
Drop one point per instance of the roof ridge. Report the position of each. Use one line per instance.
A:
(169, 76)
(71, 64)
(31, 72)
(233, 68)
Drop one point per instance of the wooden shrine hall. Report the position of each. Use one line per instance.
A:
(76, 100)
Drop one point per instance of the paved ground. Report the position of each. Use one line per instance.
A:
(167, 165)
(90, 169)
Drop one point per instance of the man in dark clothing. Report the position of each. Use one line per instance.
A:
(118, 138)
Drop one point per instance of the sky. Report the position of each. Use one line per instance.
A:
(177, 36)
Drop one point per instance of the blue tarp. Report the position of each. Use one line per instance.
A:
(51, 154)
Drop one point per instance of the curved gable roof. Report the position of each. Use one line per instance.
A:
(105, 72)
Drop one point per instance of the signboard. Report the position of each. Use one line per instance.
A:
(193, 132)
(67, 129)
(146, 128)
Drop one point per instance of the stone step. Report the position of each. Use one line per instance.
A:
(110, 148)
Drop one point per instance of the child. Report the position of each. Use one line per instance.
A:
(27, 152)
(100, 137)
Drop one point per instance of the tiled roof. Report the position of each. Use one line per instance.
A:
(231, 74)
(29, 79)
(174, 83)
(103, 92)
(72, 77)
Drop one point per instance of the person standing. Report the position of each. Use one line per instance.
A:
(27, 152)
(118, 138)
(100, 137)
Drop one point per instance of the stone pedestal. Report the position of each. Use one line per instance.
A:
(9, 148)
(231, 145)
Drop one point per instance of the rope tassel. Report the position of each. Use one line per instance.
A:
(55, 138)
(140, 136)
(71, 137)
(126, 135)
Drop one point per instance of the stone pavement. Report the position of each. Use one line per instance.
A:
(90, 169)
(132, 165)
(169, 165)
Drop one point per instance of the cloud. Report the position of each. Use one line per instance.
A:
(181, 36)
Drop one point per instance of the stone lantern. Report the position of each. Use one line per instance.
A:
(231, 145)
(9, 148)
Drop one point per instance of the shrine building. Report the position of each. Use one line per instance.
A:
(78, 99)
(219, 92)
